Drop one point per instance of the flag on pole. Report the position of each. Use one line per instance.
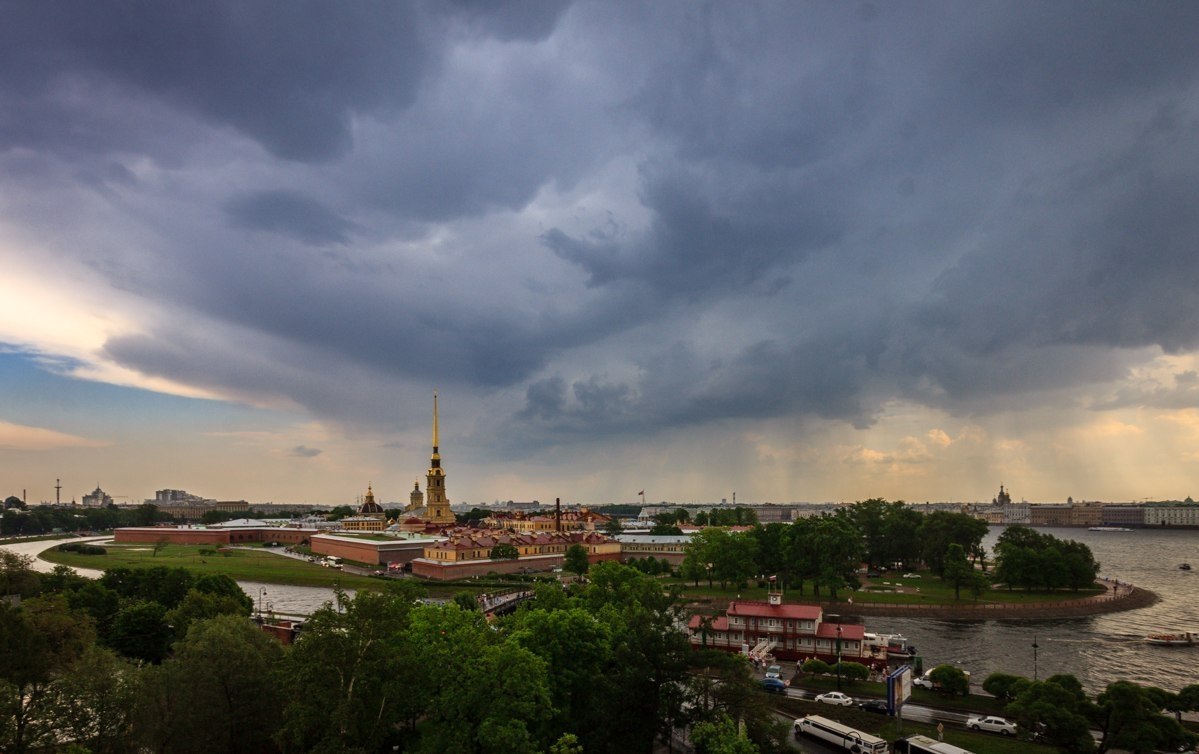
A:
(642, 492)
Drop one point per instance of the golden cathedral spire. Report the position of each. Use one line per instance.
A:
(437, 505)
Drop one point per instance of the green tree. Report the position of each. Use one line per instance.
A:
(466, 600)
(40, 642)
(721, 737)
(613, 527)
(351, 676)
(1130, 719)
(1004, 686)
(575, 559)
(956, 570)
(836, 553)
(577, 647)
(140, 631)
(950, 680)
(942, 528)
(640, 686)
(817, 667)
(504, 551)
(770, 549)
(851, 671)
(231, 702)
(1058, 708)
(869, 516)
(17, 576)
(901, 527)
(93, 702)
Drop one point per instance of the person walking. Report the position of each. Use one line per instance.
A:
(940, 731)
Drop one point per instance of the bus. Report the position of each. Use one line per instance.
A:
(926, 745)
(853, 741)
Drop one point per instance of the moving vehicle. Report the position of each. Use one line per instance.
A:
(835, 697)
(774, 671)
(924, 745)
(992, 724)
(332, 562)
(1184, 566)
(1187, 639)
(773, 685)
(835, 733)
(1108, 528)
(874, 705)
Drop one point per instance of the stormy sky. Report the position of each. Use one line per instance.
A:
(793, 251)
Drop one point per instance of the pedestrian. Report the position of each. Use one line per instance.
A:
(940, 731)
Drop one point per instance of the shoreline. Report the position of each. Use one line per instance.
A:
(1134, 598)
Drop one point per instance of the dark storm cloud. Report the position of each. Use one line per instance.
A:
(964, 205)
(289, 213)
(711, 229)
(289, 75)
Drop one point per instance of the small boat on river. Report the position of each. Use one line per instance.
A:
(1187, 639)
(1184, 566)
(1108, 528)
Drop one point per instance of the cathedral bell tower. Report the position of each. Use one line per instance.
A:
(437, 506)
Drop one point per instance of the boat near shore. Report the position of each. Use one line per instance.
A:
(1108, 528)
(1187, 639)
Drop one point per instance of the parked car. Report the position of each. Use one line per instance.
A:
(874, 705)
(911, 575)
(992, 724)
(835, 697)
(774, 671)
(774, 685)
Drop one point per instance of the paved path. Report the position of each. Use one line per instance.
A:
(36, 547)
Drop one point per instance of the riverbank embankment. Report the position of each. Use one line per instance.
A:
(1113, 600)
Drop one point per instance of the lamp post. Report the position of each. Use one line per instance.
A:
(261, 594)
(1034, 657)
(838, 657)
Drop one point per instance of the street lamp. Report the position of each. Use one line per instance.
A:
(1034, 657)
(261, 594)
(838, 657)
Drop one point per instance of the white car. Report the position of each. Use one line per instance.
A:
(774, 671)
(911, 575)
(835, 697)
(992, 724)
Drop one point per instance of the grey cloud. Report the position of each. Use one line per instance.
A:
(968, 206)
(289, 213)
(711, 229)
(303, 451)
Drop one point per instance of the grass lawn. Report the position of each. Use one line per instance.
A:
(258, 564)
(889, 590)
(885, 727)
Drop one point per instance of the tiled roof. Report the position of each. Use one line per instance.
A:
(755, 609)
(849, 631)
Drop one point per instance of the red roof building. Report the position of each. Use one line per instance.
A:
(786, 631)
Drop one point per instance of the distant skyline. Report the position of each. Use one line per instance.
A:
(800, 251)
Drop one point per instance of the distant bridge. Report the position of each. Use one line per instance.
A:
(498, 603)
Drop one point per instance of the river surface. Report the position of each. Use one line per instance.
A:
(1097, 649)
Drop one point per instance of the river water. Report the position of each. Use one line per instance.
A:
(1097, 649)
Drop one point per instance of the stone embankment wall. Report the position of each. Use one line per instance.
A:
(1128, 598)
